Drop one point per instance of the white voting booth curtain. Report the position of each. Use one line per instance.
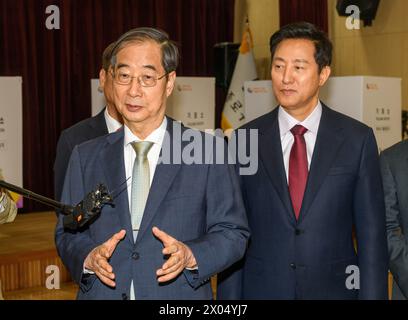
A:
(192, 101)
(375, 101)
(11, 132)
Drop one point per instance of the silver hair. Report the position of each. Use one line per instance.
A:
(170, 52)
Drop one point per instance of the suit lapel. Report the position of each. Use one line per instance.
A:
(113, 165)
(329, 140)
(162, 180)
(270, 149)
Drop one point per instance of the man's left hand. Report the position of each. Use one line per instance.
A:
(181, 256)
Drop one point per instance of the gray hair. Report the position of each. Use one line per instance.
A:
(170, 53)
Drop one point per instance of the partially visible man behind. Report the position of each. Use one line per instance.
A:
(107, 121)
(8, 208)
(394, 167)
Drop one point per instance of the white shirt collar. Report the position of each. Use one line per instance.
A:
(112, 124)
(156, 136)
(311, 123)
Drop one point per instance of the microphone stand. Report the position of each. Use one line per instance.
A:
(65, 209)
(74, 217)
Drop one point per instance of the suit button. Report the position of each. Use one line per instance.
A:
(298, 232)
(135, 255)
(293, 266)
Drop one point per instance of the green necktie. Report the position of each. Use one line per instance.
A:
(140, 183)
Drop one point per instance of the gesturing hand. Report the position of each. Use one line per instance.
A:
(97, 259)
(180, 254)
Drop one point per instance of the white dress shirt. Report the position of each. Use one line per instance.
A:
(287, 122)
(112, 124)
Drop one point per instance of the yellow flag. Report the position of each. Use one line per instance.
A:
(233, 114)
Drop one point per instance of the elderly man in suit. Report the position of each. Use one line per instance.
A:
(107, 121)
(318, 180)
(394, 167)
(175, 223)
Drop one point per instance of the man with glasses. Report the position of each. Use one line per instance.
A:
(107, 121)
(173, 224)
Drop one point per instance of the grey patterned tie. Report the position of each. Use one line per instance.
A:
(140, 183)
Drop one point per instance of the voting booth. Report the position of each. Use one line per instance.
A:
(375, 101)
(11, 132)
(192, 101)
(259, 99)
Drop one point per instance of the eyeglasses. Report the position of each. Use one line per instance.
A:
(145, 80)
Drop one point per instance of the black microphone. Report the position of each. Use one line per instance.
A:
(88, 209)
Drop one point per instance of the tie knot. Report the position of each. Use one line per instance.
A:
(142, 148)
(298, 130)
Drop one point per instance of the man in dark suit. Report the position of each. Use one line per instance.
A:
(394, 167)
(176, 222)
(318, 180)
(107, 121)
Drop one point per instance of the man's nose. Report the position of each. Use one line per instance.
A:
(287, 76)
(135, 88)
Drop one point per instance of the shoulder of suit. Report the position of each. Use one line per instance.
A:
(100, 141)
(397, 150)
(346, 122)
(262, 121)
(81, 125)
(83, 130)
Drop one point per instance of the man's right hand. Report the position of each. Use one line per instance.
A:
(97, 259)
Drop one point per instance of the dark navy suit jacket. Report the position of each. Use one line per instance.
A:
(80, 132)
(308, 258)
(394, 167)
(198, 204)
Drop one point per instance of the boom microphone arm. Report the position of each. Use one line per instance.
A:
(74, 217)
(65, 209)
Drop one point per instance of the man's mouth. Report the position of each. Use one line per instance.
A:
(133, 107)
(288, 92)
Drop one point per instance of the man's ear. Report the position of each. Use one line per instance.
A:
(324, 75)
(102, 79)
(170, 83)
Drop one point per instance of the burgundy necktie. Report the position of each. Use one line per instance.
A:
(298, 168)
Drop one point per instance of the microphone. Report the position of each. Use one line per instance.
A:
(88, 209)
